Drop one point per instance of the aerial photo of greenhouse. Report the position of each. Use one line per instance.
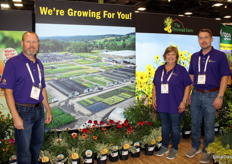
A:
(88, 77)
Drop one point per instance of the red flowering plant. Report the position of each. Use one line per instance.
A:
(142, 128)
(123, 135)
(7, 142)
(93, 137)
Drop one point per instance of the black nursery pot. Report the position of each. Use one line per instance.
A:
(89, 160)
(113, 157)
(137, 154)
(11, 161)
(102, 159)
(123, 154)
(76, 161)
(186, 133)
(158, 147)
(217, 130)
(149, 150)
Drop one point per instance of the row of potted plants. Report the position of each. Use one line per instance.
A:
(99, 140)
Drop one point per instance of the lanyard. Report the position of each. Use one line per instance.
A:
(32, 78)
(199, 64)
(162, 76)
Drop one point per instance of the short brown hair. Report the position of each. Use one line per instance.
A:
(206, 30)
(171, 49)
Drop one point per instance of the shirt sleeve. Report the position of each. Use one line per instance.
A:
(156, 74)
(187, 80)
(8, 77)
(191, 66)
(224, 66)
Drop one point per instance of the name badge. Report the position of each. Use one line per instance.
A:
(164, 88)
(201, 79)
(35, 91)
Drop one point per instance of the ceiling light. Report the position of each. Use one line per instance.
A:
(18, 5)
(141, 8)
(217, 4)
(136, 11)
(217, 18)
(227, 16)
(17, 0)
(229, 0)
(5, 5)
(188, 13)
(169, 0)
(180, 15)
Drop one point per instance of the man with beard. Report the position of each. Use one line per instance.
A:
(26, 97)
(209, 71)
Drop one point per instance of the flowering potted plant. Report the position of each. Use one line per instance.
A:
(150, 141)
(125, 148)
(75, 155)
(186, 123)
(7, 142)
(221, 148)
(56, 144)
(46, 157)
(102, 150)
(113, 153)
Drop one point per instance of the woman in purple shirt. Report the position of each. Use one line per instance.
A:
(170, 92)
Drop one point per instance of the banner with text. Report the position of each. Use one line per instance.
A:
(88, 52)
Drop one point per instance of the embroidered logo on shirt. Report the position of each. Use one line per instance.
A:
(3, 82)
(211, 61)
(174, 74)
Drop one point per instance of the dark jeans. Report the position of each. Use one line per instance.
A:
(202, 109)
(30, 140)
(170, 126)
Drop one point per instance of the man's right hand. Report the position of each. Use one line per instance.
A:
(18, 123)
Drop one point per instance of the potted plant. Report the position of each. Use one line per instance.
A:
(125, 148)
(102, 150)
(150, 141)
(137, 147)
(186, 123)
(75, 155)
(7, 146)
(221, 148)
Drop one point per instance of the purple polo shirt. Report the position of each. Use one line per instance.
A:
(16, 77)
(180, 79)
(217, 67)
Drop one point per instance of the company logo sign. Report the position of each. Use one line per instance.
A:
(225, 35)
(175, 25)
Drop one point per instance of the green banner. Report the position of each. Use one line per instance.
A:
(226, 42)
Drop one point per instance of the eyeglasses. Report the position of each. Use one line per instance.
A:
(31, 42)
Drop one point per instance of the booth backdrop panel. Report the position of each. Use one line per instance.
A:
(156, 23)
(13, 25)
(155, 32)
(89, 61)
(83, 13)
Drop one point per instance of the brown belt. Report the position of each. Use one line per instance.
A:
(207, 91)
(30, 105)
